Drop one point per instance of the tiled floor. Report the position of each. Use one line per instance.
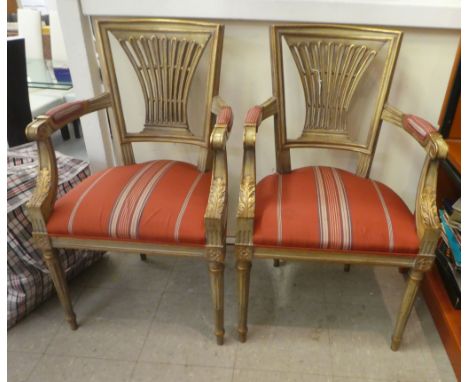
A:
(152, 322)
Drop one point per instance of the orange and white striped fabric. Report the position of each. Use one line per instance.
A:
(160, 201)
(418, 127)
(332, 209)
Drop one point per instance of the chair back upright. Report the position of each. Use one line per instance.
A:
(345, 73)
(160, 58)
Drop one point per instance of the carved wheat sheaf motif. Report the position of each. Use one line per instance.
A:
(330, 73)
(165, 67)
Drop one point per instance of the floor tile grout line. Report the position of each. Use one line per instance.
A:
(153, 318)
(285, 371)
(232, 374)
(35, 366)
(63, 321)
(185, 364)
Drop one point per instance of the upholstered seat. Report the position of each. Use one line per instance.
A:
(159, 201)
(328, 208)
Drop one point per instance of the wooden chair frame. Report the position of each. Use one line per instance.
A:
(213, 145)
(426, 218)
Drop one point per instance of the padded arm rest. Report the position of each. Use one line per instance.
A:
(418, 127)
(44, 125)
(60, 114)
(225, 118)
(421, 130)
(258, 113)
(223, 112)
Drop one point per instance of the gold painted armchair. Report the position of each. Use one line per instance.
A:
(327, 214)
(159, 207)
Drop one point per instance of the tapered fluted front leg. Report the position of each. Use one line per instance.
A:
(216, 270)
(60, 282)
(243, 280)
(407, 303)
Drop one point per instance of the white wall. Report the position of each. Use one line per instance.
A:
(419, 86)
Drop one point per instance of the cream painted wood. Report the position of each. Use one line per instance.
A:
(408, 13)
(86, 81)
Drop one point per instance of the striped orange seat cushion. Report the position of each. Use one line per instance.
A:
(327, 208)
(160, 201)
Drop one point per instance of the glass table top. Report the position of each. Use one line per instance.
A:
(47, 75)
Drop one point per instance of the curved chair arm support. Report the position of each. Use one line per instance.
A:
(246, 205)
(216, 210)
(427, 219)
(42, 202)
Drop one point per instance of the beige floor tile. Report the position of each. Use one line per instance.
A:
(72, 369)
(102, 338)
(276, 376)
(360, 342)
(127, 271)
(307, 322)
(191, 276)
(292, 337)
(20, 365)
(183, 333)
(36, 331)
(160, 372)
(289, 279)
(358, 379)
(122, 304)
(361, 285)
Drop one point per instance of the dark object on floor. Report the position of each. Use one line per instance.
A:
(19, 110)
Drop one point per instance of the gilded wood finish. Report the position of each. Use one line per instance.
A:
(165, 55)
(331, 60)
(165, 68)
(165, 71)
(330, 72)
(330, 67)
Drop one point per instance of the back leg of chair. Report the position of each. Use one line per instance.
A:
(414, 280)
(243, 266)
(76, 128)
(216, 270)
(143, 257)
(65, 133)
(276, 263)
(347, 267)
(57, 274)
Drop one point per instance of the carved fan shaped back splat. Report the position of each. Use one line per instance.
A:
(329, 72)
(165, 66)
(332, 60)
(167, 57)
